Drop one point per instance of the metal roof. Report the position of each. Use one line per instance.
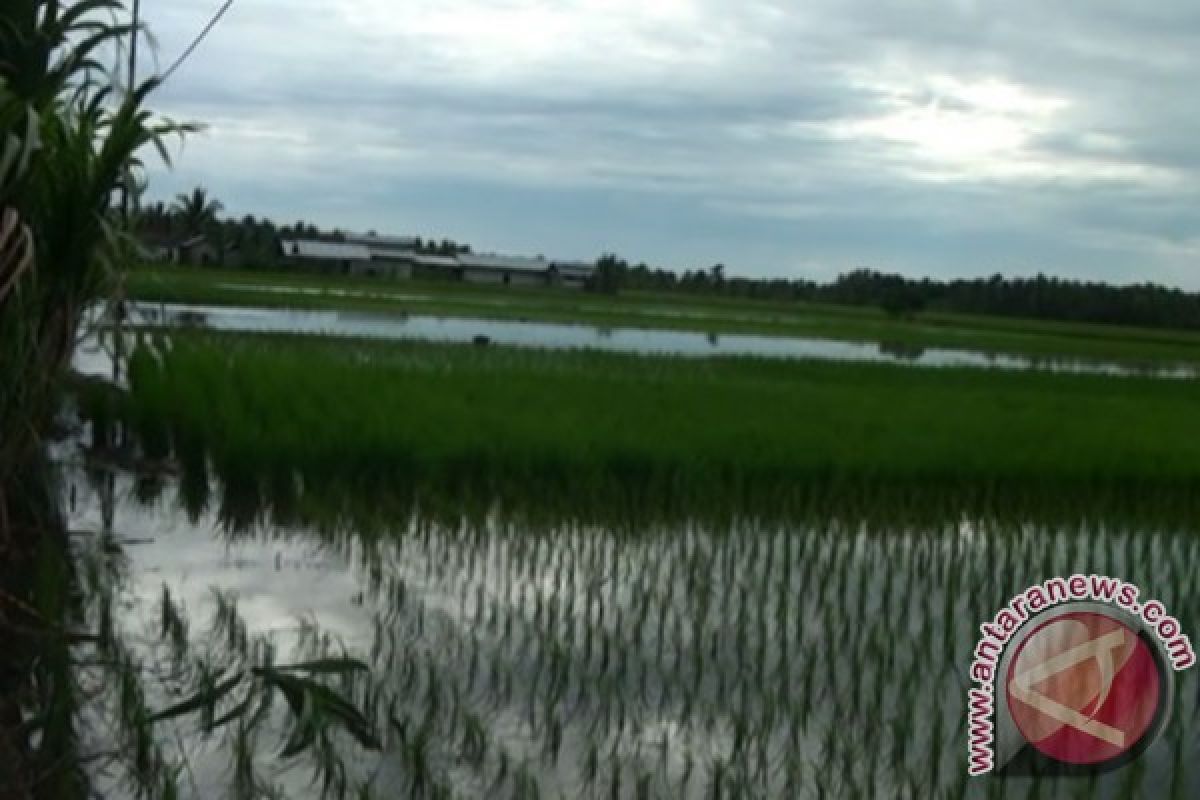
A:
(580, 269)
(392, 253)
(435, 261)
(509, 263)
(372, 240)
(326, 251)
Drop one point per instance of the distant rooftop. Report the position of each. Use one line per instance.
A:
(392, 253)
(435, 261)
(581, 269)
(396, 248)
(375, 240)
(515, 263)
(328, 251)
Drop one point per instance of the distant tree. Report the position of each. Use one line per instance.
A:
(197, 211)
(717, 274)
(609, 275)
(1039, 297)
(902, 302)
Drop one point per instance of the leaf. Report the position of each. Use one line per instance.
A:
(205, 698)
(325, 666)
(232, 714)
(303, 735)
(16, 251)
(311, 702)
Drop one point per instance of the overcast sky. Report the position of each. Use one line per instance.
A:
(802, 139)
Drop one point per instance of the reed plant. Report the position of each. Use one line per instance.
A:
(70, 138)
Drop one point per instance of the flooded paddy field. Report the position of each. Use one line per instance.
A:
(566, 336)
(693, 658)
(671, 311)
(579, 574)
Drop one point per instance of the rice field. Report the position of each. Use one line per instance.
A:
(600, 576)
(604, 434)
(664, 311)
(683, 659)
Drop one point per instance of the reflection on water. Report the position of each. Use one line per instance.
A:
(902, 351)
(630, 340)
(684, 658)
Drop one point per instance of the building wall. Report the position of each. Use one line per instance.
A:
(474, 275)
(402, 271)
(503, 277)
(526, 279)
(381, 269)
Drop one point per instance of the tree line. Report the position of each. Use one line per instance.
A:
(1039, 297)
(253, 242)
(250, 242)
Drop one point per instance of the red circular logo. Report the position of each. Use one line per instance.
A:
(1084, 688)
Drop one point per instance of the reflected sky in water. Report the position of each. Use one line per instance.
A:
(688, 653)
(625, 340)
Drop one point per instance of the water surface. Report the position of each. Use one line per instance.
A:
(520, 333)
(803, 660)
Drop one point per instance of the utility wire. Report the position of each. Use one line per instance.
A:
(196, 42)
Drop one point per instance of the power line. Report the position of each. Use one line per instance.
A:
(199, 38)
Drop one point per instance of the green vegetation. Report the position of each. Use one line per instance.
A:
(197, 212)
(583, 574)
(72, 138)
(587, 430)
(254, 242)
(668, 311)
(69, 138)
(691, 658)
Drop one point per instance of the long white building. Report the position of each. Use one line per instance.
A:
(392, 256)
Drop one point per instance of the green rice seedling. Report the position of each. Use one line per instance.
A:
(578, 644)
(382, 420)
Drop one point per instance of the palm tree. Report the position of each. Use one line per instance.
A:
(197, 210)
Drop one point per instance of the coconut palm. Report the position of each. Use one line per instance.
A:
(197, 210)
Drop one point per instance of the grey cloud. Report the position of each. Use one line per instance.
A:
(789, 115)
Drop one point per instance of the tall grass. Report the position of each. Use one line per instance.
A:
(69, 140)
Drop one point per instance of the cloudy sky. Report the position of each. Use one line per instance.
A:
(940, 137)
